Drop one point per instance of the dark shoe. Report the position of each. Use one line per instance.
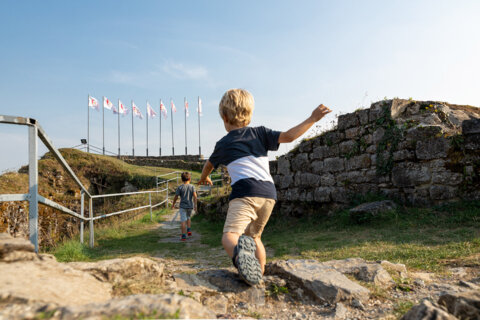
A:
(183, 238)
(189, 233)
(247, 264)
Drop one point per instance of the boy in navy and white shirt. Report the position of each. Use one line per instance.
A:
(244, 150)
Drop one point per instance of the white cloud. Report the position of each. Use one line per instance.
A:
(181, 71)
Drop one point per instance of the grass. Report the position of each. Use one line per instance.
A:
(122, 239)
(421, 238)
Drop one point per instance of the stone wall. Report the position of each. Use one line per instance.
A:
(417, 152)
(186, 162)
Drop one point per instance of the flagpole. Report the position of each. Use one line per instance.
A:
(88, 125)
(147, 128)
(160, 130)
(103, 124)
(133, 135)
(118, 106)
(199, 144)
(185, 107)
(173, 143)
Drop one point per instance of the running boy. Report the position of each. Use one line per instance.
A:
(244, 151)
(188, 201)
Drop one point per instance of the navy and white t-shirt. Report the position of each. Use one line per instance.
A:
(244, 152)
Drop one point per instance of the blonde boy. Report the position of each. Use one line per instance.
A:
(244, 151)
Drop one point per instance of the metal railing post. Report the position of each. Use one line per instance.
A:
(82, 211)
(177, 178)
(166, 202)
(150, 204)
(90, 214)
(33, 185)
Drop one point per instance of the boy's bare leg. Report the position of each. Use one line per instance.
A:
(184, 228)
(229, 241)
(189, 224)
(260, 253)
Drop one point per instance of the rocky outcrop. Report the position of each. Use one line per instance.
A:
(418, 152)
(26, 276)
(321, 282)
(123, 270)
(465, 305)
(427, 311)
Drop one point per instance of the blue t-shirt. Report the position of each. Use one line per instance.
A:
(244, 152)
(185, 191)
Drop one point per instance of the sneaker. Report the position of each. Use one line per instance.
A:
(189, 233)
(247, 264)
(183, 238)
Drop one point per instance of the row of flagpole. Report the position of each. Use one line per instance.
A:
(135, 111)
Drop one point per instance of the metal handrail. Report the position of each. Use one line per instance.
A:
(36, 131)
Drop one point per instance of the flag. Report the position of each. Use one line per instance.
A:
(173, 106)
(136, 111)
(122, 109)
(199, 109)
(163, 109)
(114, 109)
(107, 104)
(186, 107)
(150, 112)
(93, 103)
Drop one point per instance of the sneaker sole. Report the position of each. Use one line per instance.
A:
(248, 265)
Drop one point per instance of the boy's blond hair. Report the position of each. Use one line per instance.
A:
(237, 106)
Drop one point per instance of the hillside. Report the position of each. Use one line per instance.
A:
(99, 174)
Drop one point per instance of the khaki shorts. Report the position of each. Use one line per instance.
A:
(248, 215)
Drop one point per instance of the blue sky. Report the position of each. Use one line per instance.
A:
(292, 55)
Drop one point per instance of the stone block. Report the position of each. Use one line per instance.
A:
(358, 162)
(306, 179)
(292, 194)
(286, 181)
(327, 180)
(472, 141)
(353, 133)
(371, 149)
(410, 175)
(347, 147)
(348, 120)
(422, 133)
(323, 152)
(471, 126)
(333, 164)
(300, 162)
(442, 192)
(432, 148)
(378, 135)
(340, 195)
(363, 116)
(305, 146)
(322, 194)
(317, 167)
(283, 166)
(447, 178)
(333, 137)
(368, 138)
(403, 155)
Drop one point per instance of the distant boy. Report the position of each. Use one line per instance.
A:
(188, 202)
(244, 151)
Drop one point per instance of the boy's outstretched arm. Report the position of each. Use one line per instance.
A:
(207, 169)
(298, 130)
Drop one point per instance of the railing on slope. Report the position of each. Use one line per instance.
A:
(35, 131)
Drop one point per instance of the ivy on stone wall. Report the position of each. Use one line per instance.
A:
(388, 144)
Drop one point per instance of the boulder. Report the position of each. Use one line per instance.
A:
(321, 282)
(154, 306)
(465, 305)
(427, 311)
(363, 271)
(121, 270)
(367, 211)
(27, 277)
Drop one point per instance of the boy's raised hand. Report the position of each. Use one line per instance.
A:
(320, 112)
(207, 180)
